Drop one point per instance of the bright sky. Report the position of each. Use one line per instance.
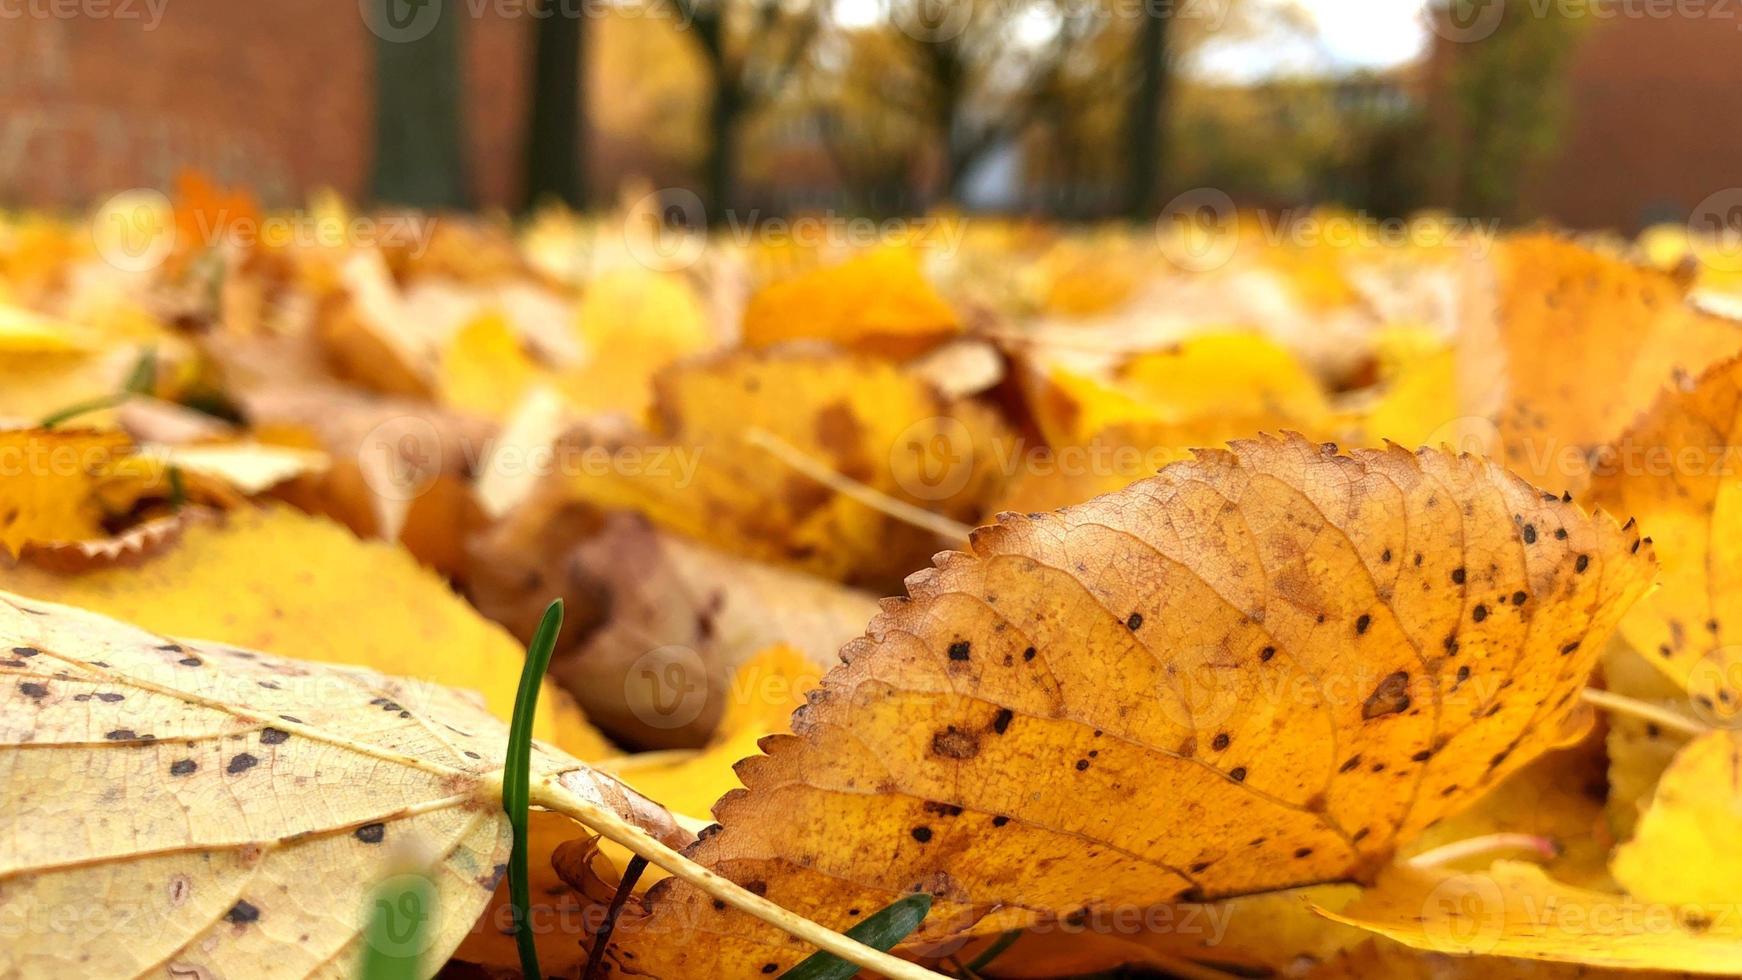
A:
(1351, 34)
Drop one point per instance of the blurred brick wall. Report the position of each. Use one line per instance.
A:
(278, 95)
(1652, 125)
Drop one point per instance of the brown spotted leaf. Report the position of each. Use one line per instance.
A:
(198, 810)
(1260, 669)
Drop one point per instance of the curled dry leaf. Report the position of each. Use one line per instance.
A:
(203, 809)
(1515, 910)
(1639, 748)
(1260, 669)
(279, 579)
(1688, 845)
(681, 619)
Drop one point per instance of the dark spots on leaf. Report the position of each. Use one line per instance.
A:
(25, 652)
(190, 661)
(922, 834)
(1220, 742)
(1321, 617)
(31, 689)
(1463, 673)
(1266, 653)
(1390, 697)
(1584, 561)
(1449, 790)
(273, 736)
(952, 743)
(1362, 623)
(942, 809)
(1237, 774)
(241, 763)
(1560, 534)
(121, 735)
(371, 833)
(183, 767)
(770, 967)
(242, 913)
(1569, 648)
(1422, 756)
(1134, 621)
(1028, 654)
(1664, 650)
(1001, 722)
(1082, 764)
(1385, 556)
(1518, 598)
(1000, 820)
(1361, 835)
(1301, 852)
(1458, 575)
(1633, 550)
(472, 755)
(1350, 763)
(1450, 643)
(959, 650)
(110, 697)
(1376, 767)
(1479, 613)
(1417, 559)
(1530, 534)
(269, 685)
(1200, 867)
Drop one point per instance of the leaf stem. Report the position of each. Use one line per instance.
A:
(1486, 844)
(602, 939)
(516, 794)
(549, 793)
(1621, 704)
(871, 497)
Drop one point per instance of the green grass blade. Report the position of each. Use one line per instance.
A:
(398, 933)
(516, 772)
(994, 951)
(881, 930)
(141, 380)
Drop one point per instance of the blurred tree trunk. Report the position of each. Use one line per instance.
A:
(419, 131)
(1144, 122)
(556, 120)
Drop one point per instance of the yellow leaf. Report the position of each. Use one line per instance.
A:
(1688, 845)
(1393, 961)
(1515, 910)
(210, 810)
(1221, 374)
(1584, 343)
(878, 302)
(1676, 471)
(278, 579)
(703, 474)
(1260, 669)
